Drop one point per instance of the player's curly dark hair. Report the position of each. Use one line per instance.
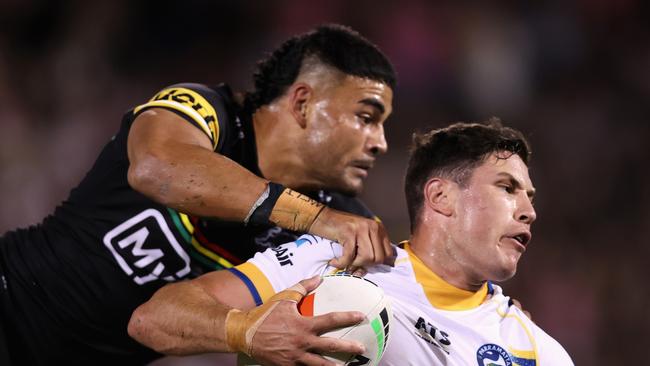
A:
(454, 152)
(333, 44)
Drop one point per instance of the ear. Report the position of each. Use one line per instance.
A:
(439, 195)
(299, 96)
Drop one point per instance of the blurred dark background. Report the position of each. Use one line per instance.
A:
(573, 75)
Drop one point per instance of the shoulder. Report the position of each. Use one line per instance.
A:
(550, 351)
(209, 108)
(528, 334)
(193, 95)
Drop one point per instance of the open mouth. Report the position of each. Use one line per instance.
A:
(522, 238)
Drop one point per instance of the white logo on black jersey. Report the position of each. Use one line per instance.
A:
(146, 249)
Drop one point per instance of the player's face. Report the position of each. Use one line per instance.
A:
(493, 217)
(346, 132)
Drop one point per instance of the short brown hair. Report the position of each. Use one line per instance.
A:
(453, 153)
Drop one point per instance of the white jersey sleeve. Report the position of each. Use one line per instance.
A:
(550, 351)
(278, 268)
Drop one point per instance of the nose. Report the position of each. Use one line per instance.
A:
(377, 141)
(525, 212)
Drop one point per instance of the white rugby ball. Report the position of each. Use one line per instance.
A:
(344, 292)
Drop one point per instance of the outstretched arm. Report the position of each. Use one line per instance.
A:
(197, 316)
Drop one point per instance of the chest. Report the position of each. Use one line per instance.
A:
(492, 334)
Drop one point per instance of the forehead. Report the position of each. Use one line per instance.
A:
(501, 164)
(357, 89)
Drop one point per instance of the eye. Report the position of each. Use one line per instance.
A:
(365, 118)
(508, 188)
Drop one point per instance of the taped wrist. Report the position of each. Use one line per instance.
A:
(295, 211)
(241, 326)
(284, 207)
(261, 209)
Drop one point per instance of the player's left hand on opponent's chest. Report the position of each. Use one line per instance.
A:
(365, 241)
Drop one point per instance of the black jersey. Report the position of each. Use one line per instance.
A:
(73, 281)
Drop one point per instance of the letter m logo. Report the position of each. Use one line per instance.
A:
(146, 249)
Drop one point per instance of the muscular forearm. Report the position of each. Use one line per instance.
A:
(172, 163)
(198, 182)
(193, 317)
(180, 319)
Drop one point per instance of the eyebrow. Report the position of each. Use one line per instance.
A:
(517, 184)
(374, 103)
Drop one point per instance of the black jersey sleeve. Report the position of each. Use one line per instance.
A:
(198, 104)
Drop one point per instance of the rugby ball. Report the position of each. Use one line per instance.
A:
(344, 292)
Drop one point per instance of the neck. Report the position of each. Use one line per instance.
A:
(430, 246)
(441, 294)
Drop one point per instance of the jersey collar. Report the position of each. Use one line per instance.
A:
(441, 294)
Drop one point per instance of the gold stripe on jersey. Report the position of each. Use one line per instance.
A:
(531, 355)
(259, 280)
(191, 104)
(181, 108)
(441, 294)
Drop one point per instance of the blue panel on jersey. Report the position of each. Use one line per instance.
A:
(301, 241)
(523, 361)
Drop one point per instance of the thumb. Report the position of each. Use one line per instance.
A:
(310, 284)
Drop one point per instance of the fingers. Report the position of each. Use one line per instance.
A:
(296, 292)
(383, 245)
(374, 247)
(365, 241)
(311, 359)
(335, 320)
(287, 338)
(310, 284)
(389, 249)
(349, 253)
(325, 345)
(377, 241)
(366, 251)
(288, 295)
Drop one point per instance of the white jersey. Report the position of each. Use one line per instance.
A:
(434, 323)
